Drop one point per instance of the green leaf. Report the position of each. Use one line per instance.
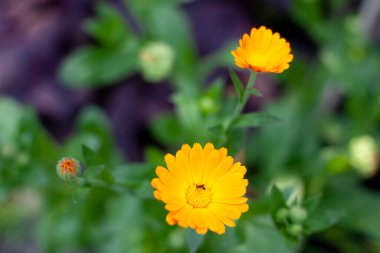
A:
(311, 203)
(90, 157)
(154, 156)
(80, 193)
(321, 220)
(133, 173)
(309, 15)
(115, 59)
(165, 129)
(124, 226)
(190, 118)
(255, 92)
(237, 84)
(95, 66)
(9, 125)
(262, 236)
(277, 198)
(254, 120)
(219, 59)
(194, 240)
(217, 129)
(109, 27)
(164, 16)
(93, 131)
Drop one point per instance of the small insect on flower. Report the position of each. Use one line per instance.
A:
(263, 51)
(68, 169)
(202, 188)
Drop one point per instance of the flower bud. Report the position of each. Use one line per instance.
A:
(207, 105)
(363, 155)
(295, 230)
(68, 169)
(281, 215)
(297, 214)
(156, 61)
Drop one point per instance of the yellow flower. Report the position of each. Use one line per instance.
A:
(263, 51)
(202, 188)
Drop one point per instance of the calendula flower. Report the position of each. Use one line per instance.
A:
(263, 51)
(202, 188)
(68, 169)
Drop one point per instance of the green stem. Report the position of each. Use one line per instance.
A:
(240, 106)
(101, 184)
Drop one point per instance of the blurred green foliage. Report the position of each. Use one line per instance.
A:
(299, 165)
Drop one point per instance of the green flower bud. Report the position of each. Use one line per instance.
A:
(281, 215)
(295, 230)
(68, 169)
(207, 105)
(156, 61)
(297, 214)
(363, 155)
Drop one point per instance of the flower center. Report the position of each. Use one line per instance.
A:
(198, 196)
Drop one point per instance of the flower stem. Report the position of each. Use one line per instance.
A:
(240, 106)
(105, 185)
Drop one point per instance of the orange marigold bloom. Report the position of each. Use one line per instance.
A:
(263, 51)
(202, 188)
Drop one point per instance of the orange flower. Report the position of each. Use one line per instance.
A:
(202, 188)
(68, 169)
(263, 51)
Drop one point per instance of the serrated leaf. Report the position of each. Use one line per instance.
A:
(255, 92)
(254, 120)
(237, 85)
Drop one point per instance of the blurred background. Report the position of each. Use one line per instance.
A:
(116, 75)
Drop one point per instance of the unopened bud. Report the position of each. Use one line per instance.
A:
(207, 105)
(363, 155)
(297, 214)
(68, 169)
(282, 214)
(295, 230)
(156, 61)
